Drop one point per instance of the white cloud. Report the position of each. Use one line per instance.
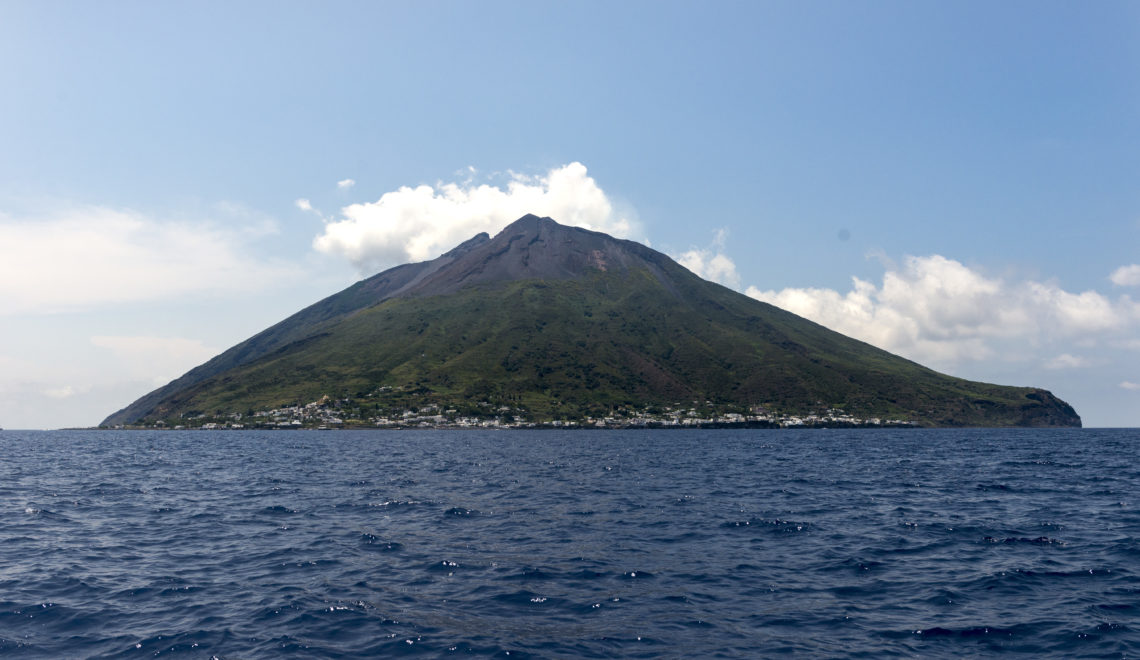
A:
(64, 392)
(1128, 385)
(160, 358)
(711, 263)
(939, 311)
(416, 224)
(83, 257)
(1126, 275)
(303, 204)
(1067, 361)
(345, 184)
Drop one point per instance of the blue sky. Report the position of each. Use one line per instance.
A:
(973, 166)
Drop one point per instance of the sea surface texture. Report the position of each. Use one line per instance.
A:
(678, 544)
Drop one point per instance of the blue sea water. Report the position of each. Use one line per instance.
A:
(840, 543)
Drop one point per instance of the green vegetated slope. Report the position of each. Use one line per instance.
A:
(296, 328)
(646, 333)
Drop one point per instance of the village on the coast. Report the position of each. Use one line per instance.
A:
(327, 414)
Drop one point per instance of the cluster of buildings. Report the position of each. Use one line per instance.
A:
(758, 418)
(327, 413)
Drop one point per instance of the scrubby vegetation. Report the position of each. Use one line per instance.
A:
(649, 335)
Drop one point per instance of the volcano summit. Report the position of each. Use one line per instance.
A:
(545, 322)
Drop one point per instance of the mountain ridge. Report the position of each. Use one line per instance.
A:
(553, 321)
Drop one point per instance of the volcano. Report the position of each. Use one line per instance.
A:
(552, 322)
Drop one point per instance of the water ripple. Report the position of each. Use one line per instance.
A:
(856, 544)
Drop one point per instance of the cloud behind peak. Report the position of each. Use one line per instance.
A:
(415, 224)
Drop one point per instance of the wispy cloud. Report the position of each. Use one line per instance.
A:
(86, 256)
(65, 392)
(345, 184)
(415, 224)
(1067, 361)
(1129, 385)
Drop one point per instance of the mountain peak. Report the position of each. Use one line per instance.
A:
(529, 221)
(531, 248)
(544, 228)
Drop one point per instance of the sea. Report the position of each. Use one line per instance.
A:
(570, 544)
